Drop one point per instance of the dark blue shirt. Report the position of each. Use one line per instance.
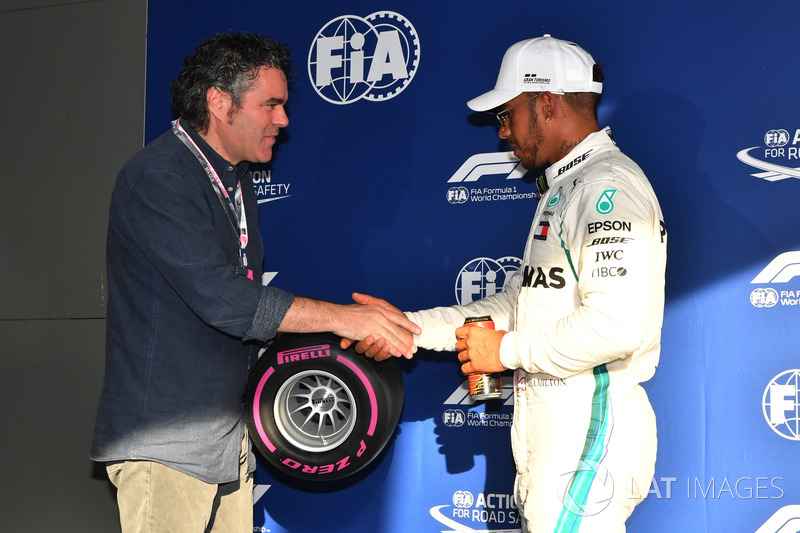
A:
(182, 326)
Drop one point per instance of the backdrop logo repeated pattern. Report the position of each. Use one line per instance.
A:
(267, 189)
(785, 520)
(781, 404)
(782, 269)
(780, 146)
(480, 165)
(453, 418)
(483, 277)
(469, 511)
(461, 396)
(374, 58)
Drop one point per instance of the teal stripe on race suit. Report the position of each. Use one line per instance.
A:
(593, 452)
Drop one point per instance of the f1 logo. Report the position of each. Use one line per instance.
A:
(786, 520)
(486, 164)
(782, 269)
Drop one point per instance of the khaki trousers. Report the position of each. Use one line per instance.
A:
(154, 498)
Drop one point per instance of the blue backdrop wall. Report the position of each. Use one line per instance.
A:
(385, 183)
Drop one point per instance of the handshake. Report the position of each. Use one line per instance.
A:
(399, 339)
(392, 334)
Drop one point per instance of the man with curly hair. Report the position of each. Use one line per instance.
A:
(187, 312)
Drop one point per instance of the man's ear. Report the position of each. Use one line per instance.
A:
(218, 103)
(549, 106)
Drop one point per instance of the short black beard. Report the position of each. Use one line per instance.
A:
(536, 136)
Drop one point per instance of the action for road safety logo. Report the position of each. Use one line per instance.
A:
(471, 514)
(267, 188)
(774, 159)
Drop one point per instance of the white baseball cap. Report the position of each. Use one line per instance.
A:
(539, 65)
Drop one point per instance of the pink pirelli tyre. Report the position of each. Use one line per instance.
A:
(317, 412)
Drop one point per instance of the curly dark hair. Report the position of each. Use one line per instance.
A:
(231, 63)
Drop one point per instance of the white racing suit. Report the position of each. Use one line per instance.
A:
(583, 316)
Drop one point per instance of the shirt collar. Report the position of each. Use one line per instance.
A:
(223, 167)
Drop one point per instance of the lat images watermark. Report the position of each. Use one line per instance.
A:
(694, 488)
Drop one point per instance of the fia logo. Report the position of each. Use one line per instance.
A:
(374, 58)
(457, 195)
(454, 418)
(483, 277)
(781, 404)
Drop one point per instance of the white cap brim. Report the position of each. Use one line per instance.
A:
(492, 99)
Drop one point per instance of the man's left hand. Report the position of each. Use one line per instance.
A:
(479, 349)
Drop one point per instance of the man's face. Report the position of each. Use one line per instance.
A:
(522, 132)
(252, 129)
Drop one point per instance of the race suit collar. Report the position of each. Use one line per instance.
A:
(574, 158)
